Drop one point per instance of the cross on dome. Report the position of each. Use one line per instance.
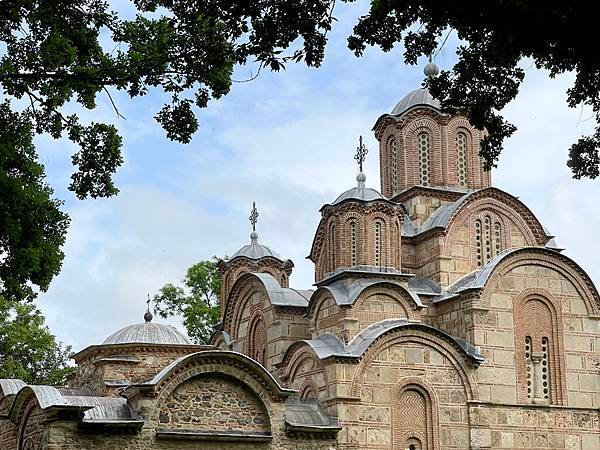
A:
(148, 315)
(361, 153)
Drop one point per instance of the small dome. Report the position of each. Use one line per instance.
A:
(359, 193)
(148, 333)
(254, 250)
(418, 97)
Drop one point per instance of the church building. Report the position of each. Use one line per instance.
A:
(443, 316)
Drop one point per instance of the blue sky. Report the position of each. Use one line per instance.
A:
(286, 141)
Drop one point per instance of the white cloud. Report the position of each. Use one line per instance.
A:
(286, 141)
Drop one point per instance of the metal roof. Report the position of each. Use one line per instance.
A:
(346, 291)
(308, 414)
(328, 345)
(361, 193)
(280, 296)
(148, 333)
(255, 250)
(418, 97)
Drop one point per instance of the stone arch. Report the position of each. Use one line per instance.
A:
(414, 415)
(537, 315)
(405, 336)
(324, 299)
(505, 205)
(548, 259)
(302, 369)
(476, 175)
(389, 291)
(217, 364)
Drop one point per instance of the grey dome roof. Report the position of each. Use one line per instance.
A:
(148, 333)
(360, 192)
(418, 97)
(254, 250)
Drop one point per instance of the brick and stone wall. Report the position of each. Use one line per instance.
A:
(213, 402)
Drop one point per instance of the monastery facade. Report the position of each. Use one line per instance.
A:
(443, 316)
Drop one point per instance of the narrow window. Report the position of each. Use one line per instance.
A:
(378, 244)
(353, 244)
(545, 369)
(478, 242)
(332, 249)
(393, 152)
(529, 368)
(423, 144)
(461, 161)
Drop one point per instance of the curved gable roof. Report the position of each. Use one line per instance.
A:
(96, 410)
(346, 291)
(237, 359)
(328, 345)
(478, 279)
(444, 215)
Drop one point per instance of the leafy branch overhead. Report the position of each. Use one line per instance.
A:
(58, 53)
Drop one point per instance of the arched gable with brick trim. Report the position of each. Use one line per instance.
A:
(544, 259)
(302, 370)
(404, 337)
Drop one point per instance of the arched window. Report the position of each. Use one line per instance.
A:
(257, 341)
(378, 243)
(488, 238)
(393, 152)
(414, 419)
(461, 160)
(353, 244)
(332, 249)
(538, 357)
(423, 143)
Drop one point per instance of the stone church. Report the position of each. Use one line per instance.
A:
(443, 316)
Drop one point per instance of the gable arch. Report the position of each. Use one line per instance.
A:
(236, 366)
(390, 291)
(421, 337)
(545, 258)
(509, 208)
(302, 369)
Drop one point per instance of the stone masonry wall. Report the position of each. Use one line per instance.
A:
(540, 427)
(398, 361)
(493, 330)
(213, 403)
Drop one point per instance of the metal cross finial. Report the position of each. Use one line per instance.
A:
(148, 303)
(253, 216)
(361, 153)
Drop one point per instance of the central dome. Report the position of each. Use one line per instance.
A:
(418, 97)
(148, 333)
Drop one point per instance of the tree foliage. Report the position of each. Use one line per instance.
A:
(32, 227)
(196, 300)
(54, 57)
(495, 36)
(28, 350)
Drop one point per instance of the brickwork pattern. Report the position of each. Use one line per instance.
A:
(399, 148)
